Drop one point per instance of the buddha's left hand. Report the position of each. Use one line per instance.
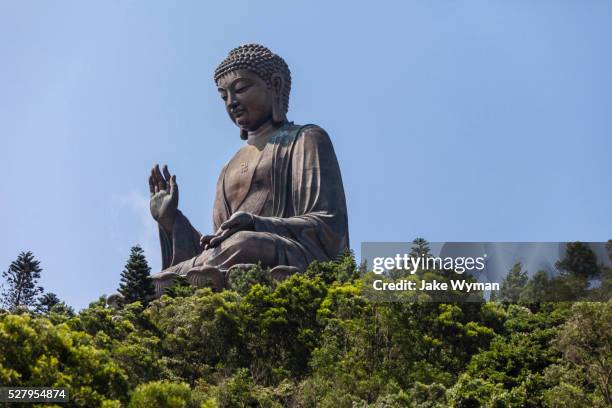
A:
(239, 221)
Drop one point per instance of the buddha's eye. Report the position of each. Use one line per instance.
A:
(223, 96)
(242, 88)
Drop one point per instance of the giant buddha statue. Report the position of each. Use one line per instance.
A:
(279, 200)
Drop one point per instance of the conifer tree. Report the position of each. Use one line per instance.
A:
(21, 278)
(420, 247)
(49, 302)
(513, 284)
(579, 261)
(136, 283)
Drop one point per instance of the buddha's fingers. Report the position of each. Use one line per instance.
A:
(161, 183)
(220, 238)
(166, 174)
(153, 178)
(205, 240)
(229, 223)
(152, 183)
(173, 186)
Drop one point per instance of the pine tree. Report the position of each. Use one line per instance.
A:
(420, 247)
(513, 284)
(579, 261)
(46, 302)
(136, 283)
(49, 302)
(21, 278)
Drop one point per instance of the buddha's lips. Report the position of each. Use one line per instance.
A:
(238, 113)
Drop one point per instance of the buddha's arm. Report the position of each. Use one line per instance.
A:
(319, 205)
(182, 243)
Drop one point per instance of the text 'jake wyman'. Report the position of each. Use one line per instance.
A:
(410, 263)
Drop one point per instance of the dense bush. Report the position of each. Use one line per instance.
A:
(36, 353)
(313, 340)
(162, 394)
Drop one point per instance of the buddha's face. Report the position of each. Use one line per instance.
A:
(248, 99)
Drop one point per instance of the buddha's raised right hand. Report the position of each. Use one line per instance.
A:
(164, 197)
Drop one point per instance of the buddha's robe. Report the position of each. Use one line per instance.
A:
(292, 186)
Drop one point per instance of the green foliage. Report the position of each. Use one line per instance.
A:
(21, 278)
(420, 248)
(569, 387)
(281, 327)
(513, 284)
(604, 290)
(46, 302)
(200, 332)
(316, 340)
(131, 338)
(49, 304)
(471, 392)
(162, 394)
(432, 395)
(536, 290)
(581, 279)
(241, 281)
(586, 343)
(240, 391)
(579, 261)
(180, 288)
(343, 270)
(136, 284)
(36, 353)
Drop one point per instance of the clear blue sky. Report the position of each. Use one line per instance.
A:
(452, 120)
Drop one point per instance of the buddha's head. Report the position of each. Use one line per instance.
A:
(254, 84)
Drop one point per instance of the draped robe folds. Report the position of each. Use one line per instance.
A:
(300, 216)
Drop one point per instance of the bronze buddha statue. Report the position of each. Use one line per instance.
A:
(279, 201)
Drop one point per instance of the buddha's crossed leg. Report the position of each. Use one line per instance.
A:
(241, 248)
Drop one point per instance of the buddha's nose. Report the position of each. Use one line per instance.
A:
(232, 103)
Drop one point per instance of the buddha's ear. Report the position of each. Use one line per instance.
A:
(278, 111)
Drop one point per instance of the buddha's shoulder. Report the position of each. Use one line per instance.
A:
(306, 133)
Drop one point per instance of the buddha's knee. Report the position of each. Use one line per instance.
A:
(251, 242)
(248, 238)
